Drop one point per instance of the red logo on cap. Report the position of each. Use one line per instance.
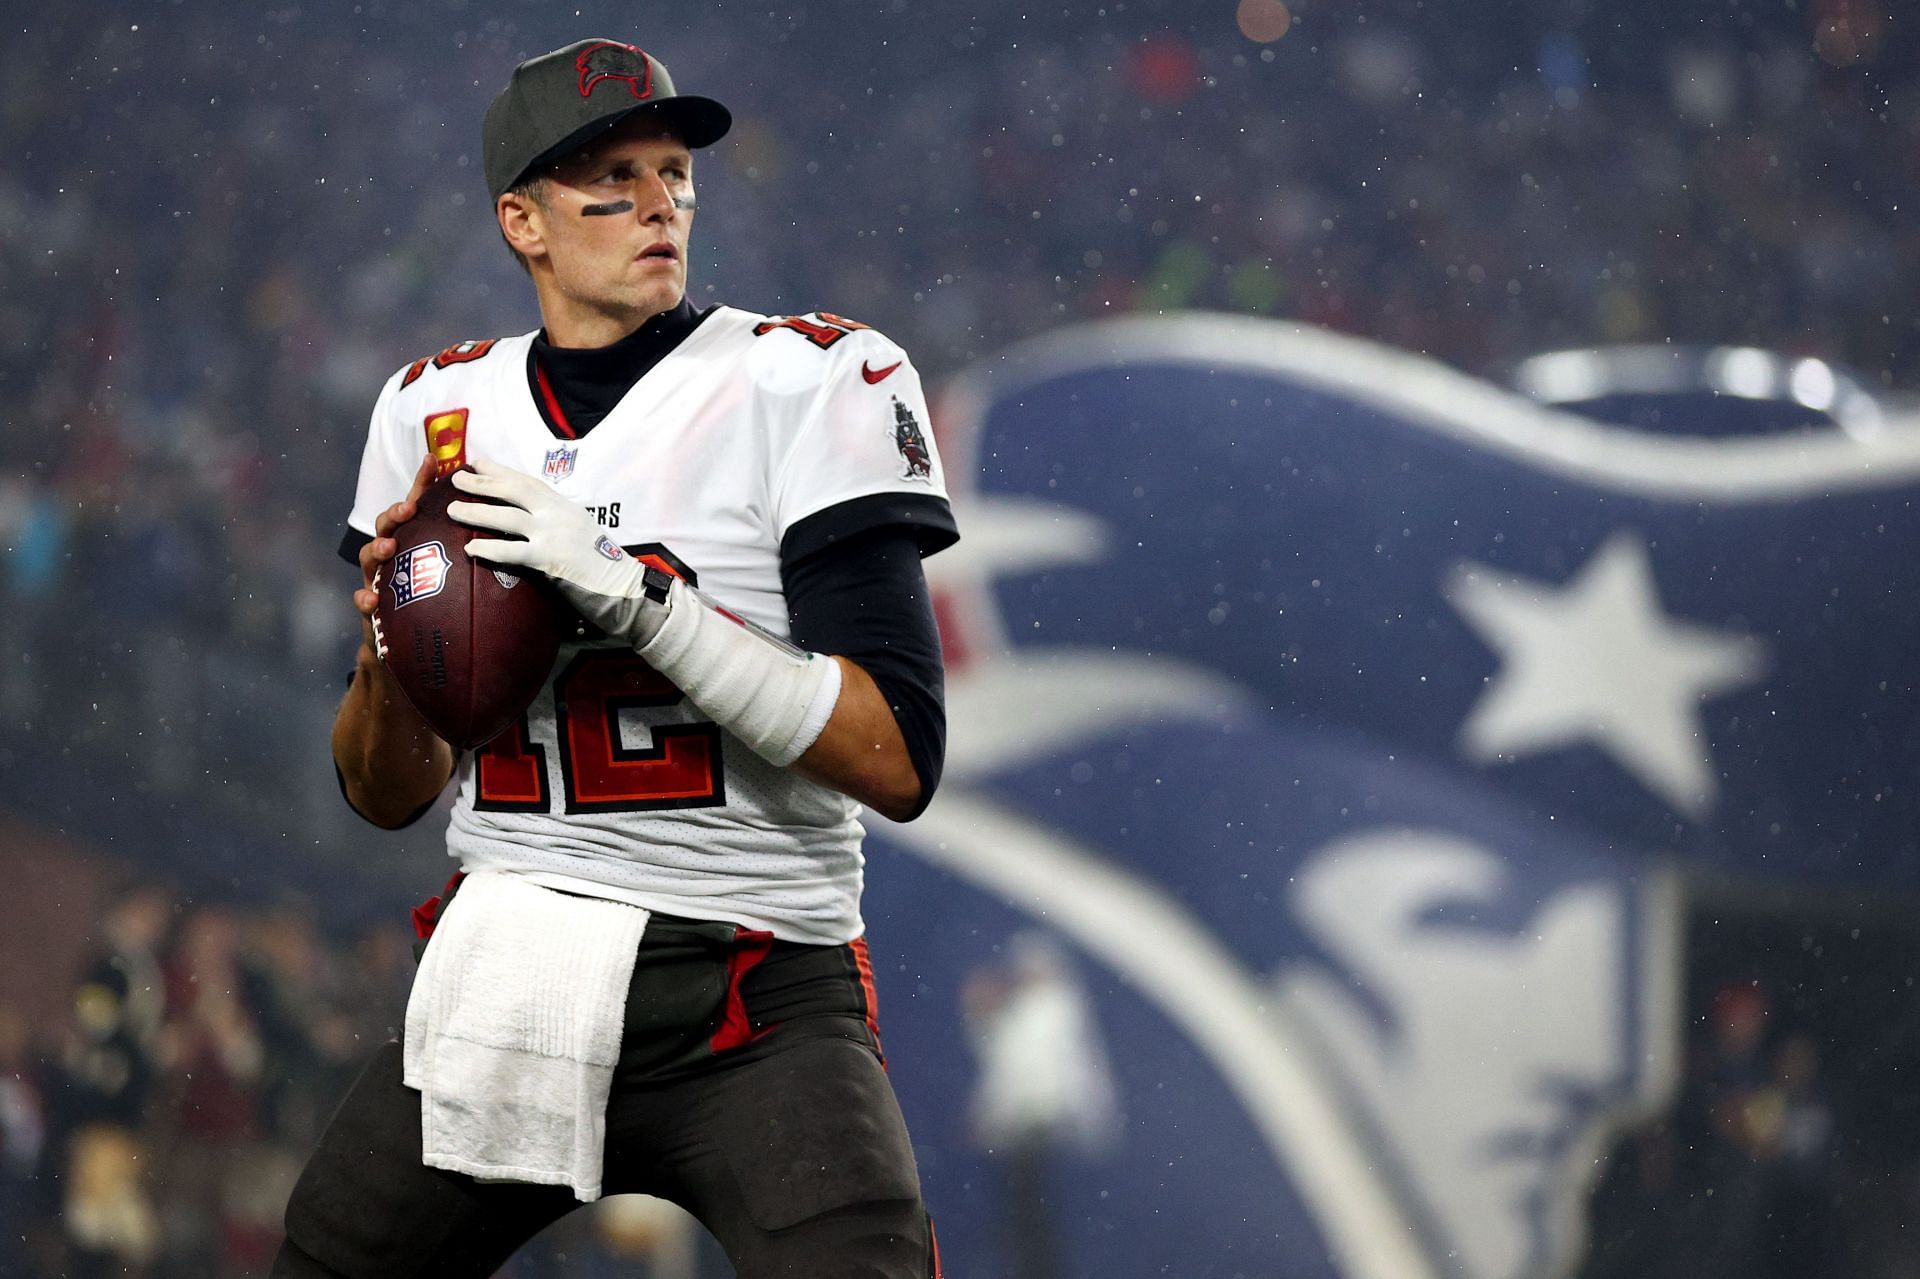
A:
(609, 61)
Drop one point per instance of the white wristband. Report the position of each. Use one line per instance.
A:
(774, 697)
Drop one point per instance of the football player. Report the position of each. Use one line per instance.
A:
(736, 505)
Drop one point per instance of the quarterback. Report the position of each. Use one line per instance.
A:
(650, 974)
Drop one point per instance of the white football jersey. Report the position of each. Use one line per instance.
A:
(614, 784)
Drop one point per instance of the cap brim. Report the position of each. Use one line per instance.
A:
(700, 122)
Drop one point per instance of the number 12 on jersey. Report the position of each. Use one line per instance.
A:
(681, 769)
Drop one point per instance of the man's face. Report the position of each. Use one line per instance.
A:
(614, 225)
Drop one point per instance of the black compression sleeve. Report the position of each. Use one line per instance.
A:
(865, 599)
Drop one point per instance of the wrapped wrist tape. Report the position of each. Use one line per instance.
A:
(771, 695)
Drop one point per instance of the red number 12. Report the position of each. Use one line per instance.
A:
(682, 769)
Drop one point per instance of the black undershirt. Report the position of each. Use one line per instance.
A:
(851, 573)
(586, 382)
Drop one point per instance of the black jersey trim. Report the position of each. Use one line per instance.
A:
(929, 517)
(350, 543)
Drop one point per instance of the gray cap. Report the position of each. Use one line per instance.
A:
(560, 101)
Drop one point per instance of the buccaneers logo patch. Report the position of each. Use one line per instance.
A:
(609, 61)
(912, 443)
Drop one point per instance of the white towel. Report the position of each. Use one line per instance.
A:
(513, 1029)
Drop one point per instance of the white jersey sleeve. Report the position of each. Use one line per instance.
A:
(389, 461)
(865, 435)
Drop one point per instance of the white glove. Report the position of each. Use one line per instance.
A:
(603, 582)
(751, 682)
(771, 695)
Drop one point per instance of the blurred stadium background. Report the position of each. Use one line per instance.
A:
(1437, 811)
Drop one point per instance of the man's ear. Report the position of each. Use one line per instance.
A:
(523, 223)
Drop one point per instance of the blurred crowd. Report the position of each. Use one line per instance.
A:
(1787, 1152)
(1749, 1175)
(156, 1126)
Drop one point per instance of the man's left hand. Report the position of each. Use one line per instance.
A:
(560, 540)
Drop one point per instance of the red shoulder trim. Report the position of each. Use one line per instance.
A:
(458, 353)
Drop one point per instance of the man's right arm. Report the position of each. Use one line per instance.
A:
(391, 764)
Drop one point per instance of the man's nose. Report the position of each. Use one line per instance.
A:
(654, 202)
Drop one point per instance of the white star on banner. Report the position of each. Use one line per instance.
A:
(1598, 660)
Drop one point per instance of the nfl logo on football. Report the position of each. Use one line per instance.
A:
(419, 572)
(559, 464)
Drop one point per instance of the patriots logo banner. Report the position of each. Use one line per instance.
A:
(419, 572)
(1328, 730)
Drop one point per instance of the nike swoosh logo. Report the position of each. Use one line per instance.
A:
(876, 375)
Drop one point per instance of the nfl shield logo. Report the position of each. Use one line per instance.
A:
(559, 464)
(419, 572)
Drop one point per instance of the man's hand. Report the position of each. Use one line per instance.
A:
(382, 548)
(391, 764)
(562, 541)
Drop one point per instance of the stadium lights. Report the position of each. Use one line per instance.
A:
(1578, 376)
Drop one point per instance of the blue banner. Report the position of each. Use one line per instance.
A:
(1328, 731)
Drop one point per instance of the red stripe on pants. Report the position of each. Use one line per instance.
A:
(749, 948)
(863, 964)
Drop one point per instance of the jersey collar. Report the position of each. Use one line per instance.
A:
(575, 388)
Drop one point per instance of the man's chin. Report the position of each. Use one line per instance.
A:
(656, 297)
(640, 298)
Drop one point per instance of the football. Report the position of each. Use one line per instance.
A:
(469, 644)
